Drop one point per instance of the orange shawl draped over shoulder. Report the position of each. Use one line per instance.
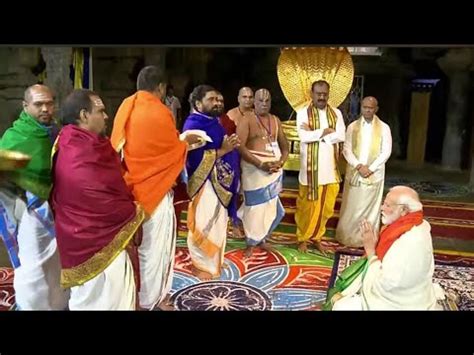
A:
(153, 154)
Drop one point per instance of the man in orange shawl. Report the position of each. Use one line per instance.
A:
(153, 157)
(399, 270)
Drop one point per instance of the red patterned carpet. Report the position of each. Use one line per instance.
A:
(289, 280)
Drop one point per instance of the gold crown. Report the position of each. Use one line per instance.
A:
(299, 67)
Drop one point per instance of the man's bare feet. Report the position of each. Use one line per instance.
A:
(303, 247)
(248, 252)
(237, 233)
(267, 247)
(319, 246)
(166, 304)
(166, 299)
(201, 275)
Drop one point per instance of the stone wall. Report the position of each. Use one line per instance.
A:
(115, 72)
(16, 74)
(457, 63)
(58, 61)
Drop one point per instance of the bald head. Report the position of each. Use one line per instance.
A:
(39, 103)
(36, 89)
(370, 99)
(244, 90)
(263, 102)
(245, 99)
(369, 107)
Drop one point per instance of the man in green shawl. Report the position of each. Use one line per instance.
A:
(26, 222)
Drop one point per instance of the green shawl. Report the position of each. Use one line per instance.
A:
(30, 137)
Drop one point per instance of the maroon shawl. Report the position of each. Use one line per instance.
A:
(95, 215)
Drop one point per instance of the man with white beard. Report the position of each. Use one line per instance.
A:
(397, 270)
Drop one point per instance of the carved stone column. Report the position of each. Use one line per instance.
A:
(58, 61)
(156, 56)
(419, 115)
(471, 180)
(115, 71)
(457, 64)
(15, 76)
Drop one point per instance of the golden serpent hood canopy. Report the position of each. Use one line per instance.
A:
(298, 68)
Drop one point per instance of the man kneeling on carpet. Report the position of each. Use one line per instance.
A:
(397, 271)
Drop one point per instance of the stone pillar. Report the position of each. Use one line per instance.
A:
(471, 180)
(456, 116)
(156, 56)
(393, 113)
(419, 115)
(58, 61)
(456, 64)
(15, 76)
(199, 59)
(115, 71)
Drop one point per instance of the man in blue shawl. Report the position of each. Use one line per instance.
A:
(213, 184)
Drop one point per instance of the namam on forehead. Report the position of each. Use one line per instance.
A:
(97, 101)
(38, 93)
(263, 93)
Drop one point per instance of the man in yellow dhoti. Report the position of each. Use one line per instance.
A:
(367, 147)
(320, 129)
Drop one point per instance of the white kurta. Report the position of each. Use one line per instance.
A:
(326, 163)
(402, 281)
(364, 199)
(378, 165)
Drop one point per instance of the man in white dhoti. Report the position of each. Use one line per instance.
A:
(26, 220)
(153, 158)
(397, 271)
(97, 222)
(264, 150)
(367, 147)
